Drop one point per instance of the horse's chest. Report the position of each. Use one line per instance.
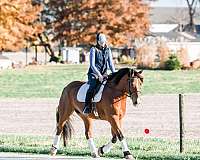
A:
(120, 106)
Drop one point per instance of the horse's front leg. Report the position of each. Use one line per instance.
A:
(116, 125)
(107, 147)
(89, 137)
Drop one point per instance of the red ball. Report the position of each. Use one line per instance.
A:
(146, 131)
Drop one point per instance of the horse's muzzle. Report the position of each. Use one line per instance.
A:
(136, 101)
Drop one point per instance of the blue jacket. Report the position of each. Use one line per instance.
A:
(99, 60)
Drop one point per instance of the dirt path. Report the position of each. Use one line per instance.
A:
(159, 113)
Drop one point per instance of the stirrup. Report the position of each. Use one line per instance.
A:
(87, 110)
(94, 110)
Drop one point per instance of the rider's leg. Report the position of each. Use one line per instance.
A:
(88, 102)
(90, 93)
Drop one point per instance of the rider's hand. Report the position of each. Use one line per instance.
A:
(105, 76)
(101, 78)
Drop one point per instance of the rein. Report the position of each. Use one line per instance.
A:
(120, 91)
(130, 80)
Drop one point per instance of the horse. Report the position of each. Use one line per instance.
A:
(126, 82)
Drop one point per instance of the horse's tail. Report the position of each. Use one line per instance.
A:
(67, 129)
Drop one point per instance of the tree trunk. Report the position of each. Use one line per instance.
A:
(191, 10)
(191, 23)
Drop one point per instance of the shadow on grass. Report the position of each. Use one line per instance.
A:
(169, 158)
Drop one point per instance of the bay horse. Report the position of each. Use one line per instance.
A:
(126, 82)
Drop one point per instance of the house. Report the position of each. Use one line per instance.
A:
(176, 40)
(5, 63)
(169, 25)
(71, 54)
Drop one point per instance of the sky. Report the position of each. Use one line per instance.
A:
(169, 3)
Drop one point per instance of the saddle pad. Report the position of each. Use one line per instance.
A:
(83, 90)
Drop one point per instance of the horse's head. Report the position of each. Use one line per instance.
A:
(135, 81)
(133, 87)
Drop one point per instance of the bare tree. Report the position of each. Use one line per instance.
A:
(180, 17)
(192, 5)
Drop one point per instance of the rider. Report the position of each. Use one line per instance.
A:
(100, 56)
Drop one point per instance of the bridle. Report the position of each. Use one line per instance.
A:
(130, 83)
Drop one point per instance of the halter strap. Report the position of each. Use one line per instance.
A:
(130, 82)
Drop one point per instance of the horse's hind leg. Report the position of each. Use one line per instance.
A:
(89, 136)
(64, 126)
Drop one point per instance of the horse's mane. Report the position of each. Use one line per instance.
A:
(116, 77)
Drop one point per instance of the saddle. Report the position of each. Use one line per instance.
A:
(83, 90)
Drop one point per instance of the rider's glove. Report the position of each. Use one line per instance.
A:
(105, 77)
(101, 78)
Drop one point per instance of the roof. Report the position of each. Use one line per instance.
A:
(171, 32)
(187, 35)
(172, 15)
(3, 57)
(156, 28)
(169, 35)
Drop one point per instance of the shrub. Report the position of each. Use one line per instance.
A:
(145, 57)
(183, 57)
(126, 60)
(172, 63)
(163, 52)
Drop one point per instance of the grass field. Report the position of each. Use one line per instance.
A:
(48, 81)
(144, 149)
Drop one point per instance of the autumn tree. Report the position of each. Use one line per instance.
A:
(18, 23)
(77, 21)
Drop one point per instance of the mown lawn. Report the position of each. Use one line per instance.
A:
(48, 81)
(142, 148)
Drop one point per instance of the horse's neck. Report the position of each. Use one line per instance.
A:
(119, 90)
(119, 96)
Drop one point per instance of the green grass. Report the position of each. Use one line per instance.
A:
(171, 82)
(41, 82)
(144, 149)
(48, 81)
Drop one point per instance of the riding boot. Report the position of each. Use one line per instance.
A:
(88, 104)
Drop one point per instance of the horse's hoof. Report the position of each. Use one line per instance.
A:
(53, 151)
(95, 155)
(100, 151)
(129, 157)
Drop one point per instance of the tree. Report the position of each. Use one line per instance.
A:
(18, 23)
(180, 17)
(192, 5)
(77, 21)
